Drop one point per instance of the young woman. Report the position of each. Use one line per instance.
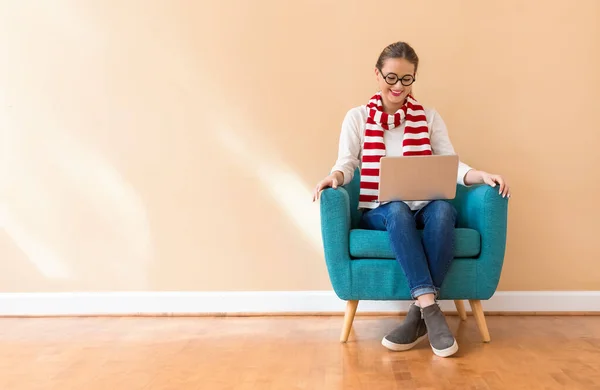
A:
(393, 123)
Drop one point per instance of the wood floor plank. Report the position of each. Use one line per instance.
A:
(292, 353)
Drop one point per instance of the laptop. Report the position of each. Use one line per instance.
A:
(414, 178)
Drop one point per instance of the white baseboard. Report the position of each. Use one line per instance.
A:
(160, 303)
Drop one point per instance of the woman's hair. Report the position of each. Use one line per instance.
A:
(398, 50)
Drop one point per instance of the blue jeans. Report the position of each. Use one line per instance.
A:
(425, 260)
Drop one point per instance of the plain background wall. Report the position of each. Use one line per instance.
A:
(174, 145)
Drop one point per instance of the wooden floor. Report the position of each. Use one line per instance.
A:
(292, 353)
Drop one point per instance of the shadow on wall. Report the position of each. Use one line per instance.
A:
(69, 209)
(286, 188)
(63, 202)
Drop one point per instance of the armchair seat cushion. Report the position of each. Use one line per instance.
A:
(375, 244)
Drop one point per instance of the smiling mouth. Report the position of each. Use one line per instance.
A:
(395, 93)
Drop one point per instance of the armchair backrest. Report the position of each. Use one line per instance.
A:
(353, 189)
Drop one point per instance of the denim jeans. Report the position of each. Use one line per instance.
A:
(425, 260)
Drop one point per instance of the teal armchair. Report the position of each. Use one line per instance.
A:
(362, 266)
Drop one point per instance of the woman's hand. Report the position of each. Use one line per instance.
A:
(332, 181)
(479, 177)
(492, 180)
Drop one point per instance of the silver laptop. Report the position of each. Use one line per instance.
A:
(409, 178)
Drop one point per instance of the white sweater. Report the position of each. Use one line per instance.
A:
(352, 139)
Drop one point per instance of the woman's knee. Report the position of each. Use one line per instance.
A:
(399, 212)
(443, 211)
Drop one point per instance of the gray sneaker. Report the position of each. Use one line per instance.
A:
(409, 333)
(440, 337)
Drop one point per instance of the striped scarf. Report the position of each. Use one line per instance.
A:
(416, 142)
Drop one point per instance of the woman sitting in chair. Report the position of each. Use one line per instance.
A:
(393, 123)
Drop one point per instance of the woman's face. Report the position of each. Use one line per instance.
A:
(397, 70)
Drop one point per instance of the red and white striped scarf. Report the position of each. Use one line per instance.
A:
(416, 142)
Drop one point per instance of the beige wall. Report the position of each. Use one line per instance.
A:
(163, 145)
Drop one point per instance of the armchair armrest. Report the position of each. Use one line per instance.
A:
(335, 231)
(483, 209)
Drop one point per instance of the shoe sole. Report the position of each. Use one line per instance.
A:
(401, 347)
(446, 352)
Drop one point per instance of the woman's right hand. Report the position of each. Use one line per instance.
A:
(332, 181)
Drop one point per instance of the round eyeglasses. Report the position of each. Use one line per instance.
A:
(392, 79)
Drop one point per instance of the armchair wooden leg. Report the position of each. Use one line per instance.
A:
(460, 308)
(480, 319)
(348, 319)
